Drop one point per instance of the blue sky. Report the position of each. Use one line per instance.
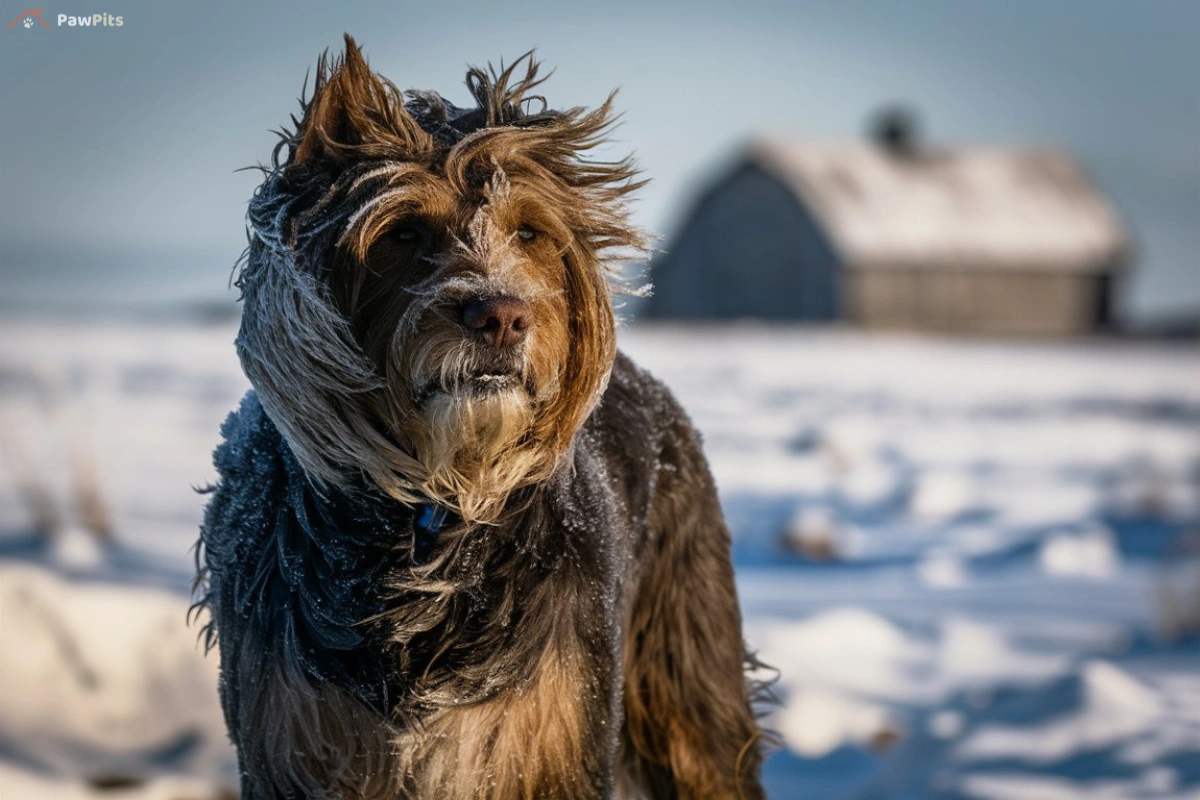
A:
(118, 145)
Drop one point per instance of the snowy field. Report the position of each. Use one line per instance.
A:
(975, 565)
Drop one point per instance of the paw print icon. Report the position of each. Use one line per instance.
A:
(28, 22)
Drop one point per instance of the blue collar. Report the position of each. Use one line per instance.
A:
(430, 518)
(427, 523)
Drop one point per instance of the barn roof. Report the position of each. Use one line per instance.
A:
(971, 206)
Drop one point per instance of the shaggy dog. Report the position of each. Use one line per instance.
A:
(460, 546)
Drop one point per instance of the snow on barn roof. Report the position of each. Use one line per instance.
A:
(978, 206)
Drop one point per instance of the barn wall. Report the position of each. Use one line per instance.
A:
(749, 249)
(974, 300)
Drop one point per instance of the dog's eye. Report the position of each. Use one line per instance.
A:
(527, 233)
(406, 233)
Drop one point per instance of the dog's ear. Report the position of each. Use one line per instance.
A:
(356, 115)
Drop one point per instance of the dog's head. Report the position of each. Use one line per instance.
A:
(427, 289)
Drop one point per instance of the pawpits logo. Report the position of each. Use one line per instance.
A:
(33, 16)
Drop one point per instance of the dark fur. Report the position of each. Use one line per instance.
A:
(575, 634)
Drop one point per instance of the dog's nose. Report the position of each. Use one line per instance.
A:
(501, 321)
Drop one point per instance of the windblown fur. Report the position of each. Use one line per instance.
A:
(361, 160)
(428, 321)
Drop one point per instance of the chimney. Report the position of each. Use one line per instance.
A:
(897, 130)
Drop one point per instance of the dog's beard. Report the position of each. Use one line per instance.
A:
(466, 402)
(465, 413)
(469, 429)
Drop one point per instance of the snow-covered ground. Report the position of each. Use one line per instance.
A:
(973, 564)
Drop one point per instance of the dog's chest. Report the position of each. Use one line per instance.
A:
(550, 730)
(530, 693)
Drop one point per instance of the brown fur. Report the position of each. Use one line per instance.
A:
(530, 742)
(675, 654)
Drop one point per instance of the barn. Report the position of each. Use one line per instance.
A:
(884, 234)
